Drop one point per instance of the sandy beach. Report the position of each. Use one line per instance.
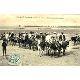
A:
(32, 58)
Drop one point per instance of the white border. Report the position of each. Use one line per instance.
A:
(40, 7)
(40, 73)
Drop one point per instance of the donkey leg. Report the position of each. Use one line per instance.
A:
(63, 51)
(59, 52)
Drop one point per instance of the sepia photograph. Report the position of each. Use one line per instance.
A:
(40, 40)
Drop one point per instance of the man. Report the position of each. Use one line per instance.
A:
(55, 36)
(62, 37)
(7, 37)
(53, 45)
(43, 37)
(26, 39)
(76, 39)
(37, 36)
(3, 36)
(4, 44)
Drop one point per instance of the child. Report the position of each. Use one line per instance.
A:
(4, 44)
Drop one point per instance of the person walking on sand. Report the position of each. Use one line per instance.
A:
(4, 45)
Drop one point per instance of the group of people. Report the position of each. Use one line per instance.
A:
(36, 41)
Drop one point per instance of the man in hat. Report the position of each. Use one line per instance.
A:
(55, 36)
(4, 45)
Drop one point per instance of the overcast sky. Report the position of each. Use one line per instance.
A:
(39, 20)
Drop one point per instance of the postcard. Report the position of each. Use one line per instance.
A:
(39, 39)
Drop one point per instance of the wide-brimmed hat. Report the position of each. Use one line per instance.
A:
(54, 32)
